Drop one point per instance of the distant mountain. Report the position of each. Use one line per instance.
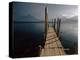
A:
(70, 20)
(74, 18)
(28, 18)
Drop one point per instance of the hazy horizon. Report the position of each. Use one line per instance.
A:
(21, 10)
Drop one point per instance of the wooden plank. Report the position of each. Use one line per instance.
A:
(53, 45)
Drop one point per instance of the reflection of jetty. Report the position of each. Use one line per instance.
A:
(52, 44)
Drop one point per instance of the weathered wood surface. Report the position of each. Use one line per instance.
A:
(53, 45)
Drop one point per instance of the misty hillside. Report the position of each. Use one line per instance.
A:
(28, 18)
(70, 20)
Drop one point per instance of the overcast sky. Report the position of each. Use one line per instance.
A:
(38, 10)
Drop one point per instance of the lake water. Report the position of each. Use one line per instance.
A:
(68, 31)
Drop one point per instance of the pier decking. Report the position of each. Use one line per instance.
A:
(53, 45)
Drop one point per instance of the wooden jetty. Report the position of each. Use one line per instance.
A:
(52, 46)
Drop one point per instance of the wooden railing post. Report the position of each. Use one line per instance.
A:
(58, 26)
(54, 23)
(46, 23)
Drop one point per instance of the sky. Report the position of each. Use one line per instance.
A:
(38, 10)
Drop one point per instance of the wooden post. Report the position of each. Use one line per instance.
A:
(58, 26)
(54, 23)
(46, 22)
